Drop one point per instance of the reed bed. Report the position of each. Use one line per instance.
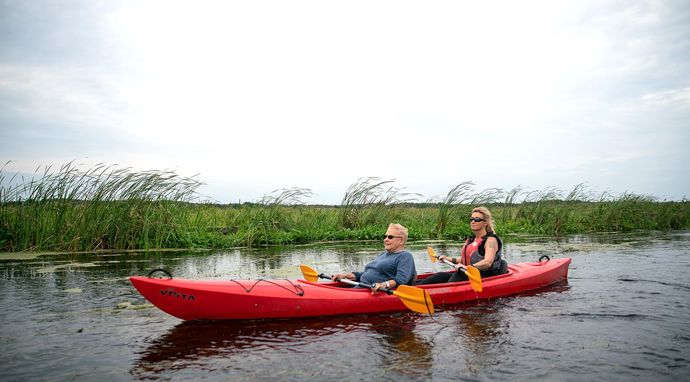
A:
(369, 200)
(103, 207)
(69, 209)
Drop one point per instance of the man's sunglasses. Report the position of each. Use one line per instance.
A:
(477, 220)
(390, 237)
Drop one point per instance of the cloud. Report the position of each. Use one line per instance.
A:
(267, 95)
(673, 97)
(59, 95)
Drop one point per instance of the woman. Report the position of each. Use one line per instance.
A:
(393, 267)
(482, 251)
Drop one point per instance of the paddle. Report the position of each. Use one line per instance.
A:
(416, 299)
(471, 272)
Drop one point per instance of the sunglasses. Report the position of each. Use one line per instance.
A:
(390, 237)
(477, 220)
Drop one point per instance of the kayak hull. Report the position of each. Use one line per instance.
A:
(266, 299)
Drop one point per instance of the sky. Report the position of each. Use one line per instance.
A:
(254, 96)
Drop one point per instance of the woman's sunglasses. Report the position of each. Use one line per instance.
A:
(477, 220)
(390, 237)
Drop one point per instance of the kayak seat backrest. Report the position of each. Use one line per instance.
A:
(504, 267)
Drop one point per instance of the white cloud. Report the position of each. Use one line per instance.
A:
(267, 95)
(676, 97)
(64, 94)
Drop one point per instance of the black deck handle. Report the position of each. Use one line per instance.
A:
(166, 273)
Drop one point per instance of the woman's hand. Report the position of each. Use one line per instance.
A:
(444, 257)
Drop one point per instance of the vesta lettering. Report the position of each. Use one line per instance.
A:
(172, 293)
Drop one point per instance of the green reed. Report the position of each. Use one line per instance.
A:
(459, 202)
(269, 220)
(103, 207)
(369, 200)
(112, 208)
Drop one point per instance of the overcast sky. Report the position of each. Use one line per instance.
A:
(260, 95)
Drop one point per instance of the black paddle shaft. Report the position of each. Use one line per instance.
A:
(356, 283)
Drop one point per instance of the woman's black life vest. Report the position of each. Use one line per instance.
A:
(475, 253)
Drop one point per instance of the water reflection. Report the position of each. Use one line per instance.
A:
(234, 346)
(478, 335)
(402, 350)
(480, 332)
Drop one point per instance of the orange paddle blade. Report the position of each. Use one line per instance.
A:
(475, 278)
(432, 254)
(415, 299)
(309, 273)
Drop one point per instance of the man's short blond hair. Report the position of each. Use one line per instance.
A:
(401, 230)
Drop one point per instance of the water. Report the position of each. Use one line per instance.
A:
(622, 314)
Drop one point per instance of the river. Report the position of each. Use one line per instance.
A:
(623, 314)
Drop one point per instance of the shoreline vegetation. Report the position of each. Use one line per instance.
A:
(105, 207)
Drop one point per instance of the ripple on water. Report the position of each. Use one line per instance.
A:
(659, 282)
(607, 316)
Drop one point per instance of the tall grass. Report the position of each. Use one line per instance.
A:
(510, 204)
(458, 198)
(103, 207)
(266, 222)
(550, 209)
(368, 201)
(113, 208)
(458, 204)
(630, 211)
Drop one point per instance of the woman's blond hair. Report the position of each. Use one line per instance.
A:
(489, 219)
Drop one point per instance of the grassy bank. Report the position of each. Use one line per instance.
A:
(109, 208)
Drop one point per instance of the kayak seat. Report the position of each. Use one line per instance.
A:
(504, 267)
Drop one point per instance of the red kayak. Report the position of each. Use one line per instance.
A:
(261, 299)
